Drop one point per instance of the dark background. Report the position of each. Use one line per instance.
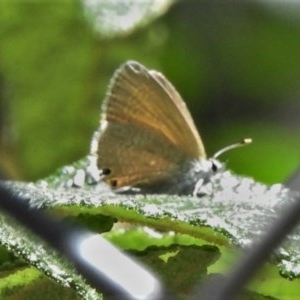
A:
(236, 64)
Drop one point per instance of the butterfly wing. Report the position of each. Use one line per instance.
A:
(146, 131)
(190, 135)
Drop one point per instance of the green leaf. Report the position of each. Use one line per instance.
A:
(236, 213)
(184, 266)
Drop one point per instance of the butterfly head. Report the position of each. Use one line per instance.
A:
(205, 169)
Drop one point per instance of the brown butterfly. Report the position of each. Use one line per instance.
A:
(147, 138)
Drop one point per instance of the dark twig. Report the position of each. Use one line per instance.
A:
(94, 257)
(229, 287)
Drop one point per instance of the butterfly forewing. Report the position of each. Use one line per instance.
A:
(147, 133)
(194, 141)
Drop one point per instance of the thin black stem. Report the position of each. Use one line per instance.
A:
(94, 257)
(229, 287)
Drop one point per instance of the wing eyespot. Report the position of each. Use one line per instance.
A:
(106, 171)
(113, 183)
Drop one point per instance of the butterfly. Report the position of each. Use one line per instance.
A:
(147, 139)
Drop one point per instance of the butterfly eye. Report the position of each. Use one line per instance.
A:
(214, 167)
(106, 171)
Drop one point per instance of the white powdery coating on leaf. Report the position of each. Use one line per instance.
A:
(239, 207)
(79, 178)
(151, 209)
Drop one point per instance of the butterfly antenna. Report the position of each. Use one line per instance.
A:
(233, 146)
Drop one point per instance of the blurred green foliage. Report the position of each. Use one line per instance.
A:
(236, 65)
